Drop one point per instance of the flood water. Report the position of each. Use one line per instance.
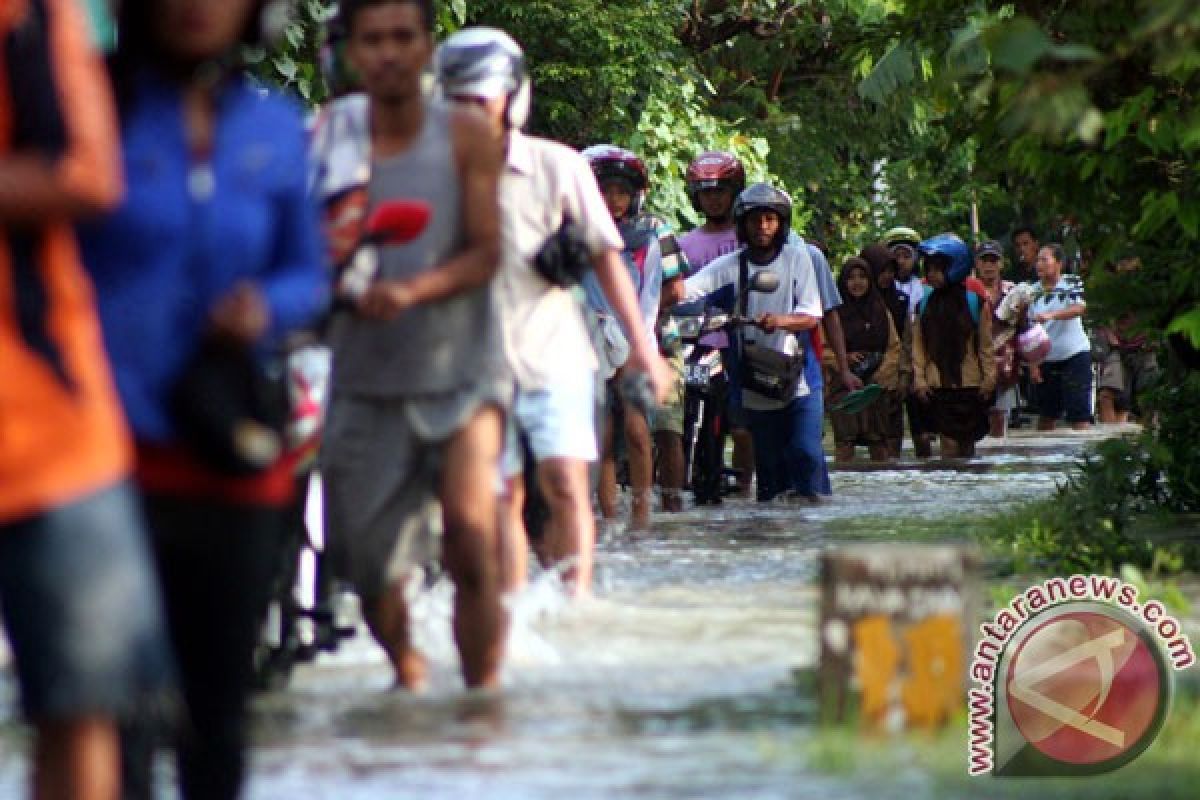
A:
(675, 680)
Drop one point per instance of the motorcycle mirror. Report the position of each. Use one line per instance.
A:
(395, 222)
(764, 281)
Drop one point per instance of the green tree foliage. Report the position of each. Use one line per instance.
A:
(776, 82)
(293, 62)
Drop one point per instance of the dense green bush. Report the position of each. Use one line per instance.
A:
(1132, 501)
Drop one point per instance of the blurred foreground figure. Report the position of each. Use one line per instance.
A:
(554, 226)
(419, 390)
(209, 263)
(79, 603)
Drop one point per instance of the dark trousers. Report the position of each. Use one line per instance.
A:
(216, 562)
(788, 455)
(1067, 388)
(916, 418)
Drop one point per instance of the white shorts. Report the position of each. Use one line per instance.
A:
(558, 422)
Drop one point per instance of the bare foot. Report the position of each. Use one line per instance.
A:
(639, 512)
(412, 672)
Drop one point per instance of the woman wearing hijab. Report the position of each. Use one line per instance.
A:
(883, 270)
(873, 351)
(953, 363)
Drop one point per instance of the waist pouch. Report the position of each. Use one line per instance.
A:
(770, 373)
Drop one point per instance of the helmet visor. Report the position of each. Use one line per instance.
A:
(483, 88)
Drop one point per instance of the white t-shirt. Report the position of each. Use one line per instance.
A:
(545, 339)
(1067, 336)
(915, 291)
(797, 294)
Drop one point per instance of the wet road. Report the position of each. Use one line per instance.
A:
(676, 680)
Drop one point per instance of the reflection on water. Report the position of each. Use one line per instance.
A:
(676, 680)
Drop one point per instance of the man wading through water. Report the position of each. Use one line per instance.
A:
(418, 390)
(788, 457)
(543, 184)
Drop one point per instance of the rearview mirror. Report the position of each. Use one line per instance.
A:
(764, 281)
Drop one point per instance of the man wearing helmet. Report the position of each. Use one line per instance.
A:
(543, 185)
(714, 180)
(652, 258)
(717, 236)
(787, 433)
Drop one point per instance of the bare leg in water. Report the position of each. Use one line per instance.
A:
(570, 531)
(641, 467)
(470, 545)
(471, 557)
(670, 469)
(606, 492)
(76, 758)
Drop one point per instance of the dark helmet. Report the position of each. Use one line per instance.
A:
(763, 196)
(714, 170)
(485, 62)
(952, 247)
(609, 162)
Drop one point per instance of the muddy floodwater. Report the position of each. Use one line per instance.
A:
(675, 680)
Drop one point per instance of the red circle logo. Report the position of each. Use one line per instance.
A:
(1084, 687)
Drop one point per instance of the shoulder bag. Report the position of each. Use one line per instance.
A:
(765, 371)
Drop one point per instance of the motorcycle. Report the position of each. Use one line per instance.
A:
(707, 390)
(307, 613)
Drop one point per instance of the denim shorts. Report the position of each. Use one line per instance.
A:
(82, 611)
(1066, 387)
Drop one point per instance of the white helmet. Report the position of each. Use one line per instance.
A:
(485, 62)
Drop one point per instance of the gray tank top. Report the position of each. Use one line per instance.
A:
(434, 348)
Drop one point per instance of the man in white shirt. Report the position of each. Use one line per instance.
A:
(789, 459)
(545, 184)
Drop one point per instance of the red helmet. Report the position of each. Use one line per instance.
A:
(609, 161)
(715, 169)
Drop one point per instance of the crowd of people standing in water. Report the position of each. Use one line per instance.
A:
(162, 245)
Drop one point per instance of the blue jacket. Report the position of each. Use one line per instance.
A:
(183, 237)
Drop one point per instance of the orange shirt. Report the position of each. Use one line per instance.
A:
(62, 435)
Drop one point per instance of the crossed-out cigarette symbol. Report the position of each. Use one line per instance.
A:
(1101, 650)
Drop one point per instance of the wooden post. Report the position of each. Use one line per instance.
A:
(896, 629)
